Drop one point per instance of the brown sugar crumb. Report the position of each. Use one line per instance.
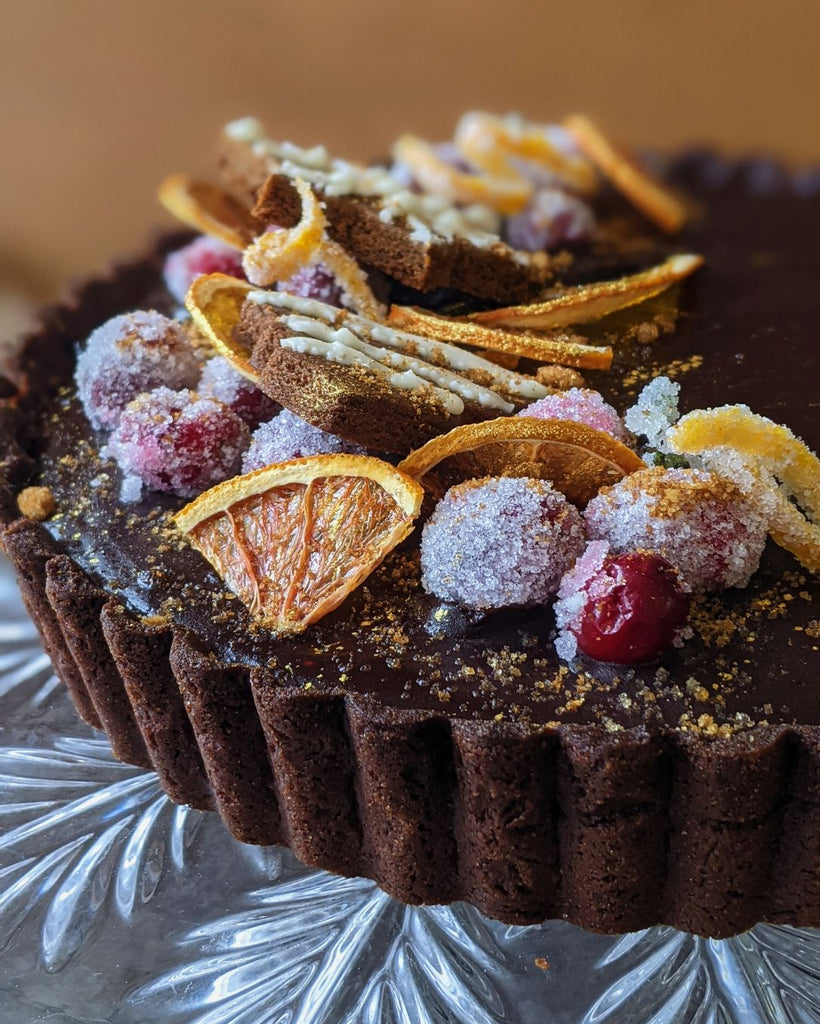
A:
(542, 963)
(813, 629)
(676, 368)
(36, 503)
(646, 333)
(562, 378)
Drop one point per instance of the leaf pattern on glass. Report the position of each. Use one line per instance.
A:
(316, 948)
(25, 669)
(81, 836)
(771, 973)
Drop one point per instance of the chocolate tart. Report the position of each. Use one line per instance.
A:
(450, 756)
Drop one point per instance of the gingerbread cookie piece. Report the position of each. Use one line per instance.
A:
(366, 382)
(420, 240)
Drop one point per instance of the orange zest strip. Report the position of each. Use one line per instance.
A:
(565, 350)
(650, 197)
(292, 540)
(577, 459)
(215, 303)
(588, 302)
(209, 209)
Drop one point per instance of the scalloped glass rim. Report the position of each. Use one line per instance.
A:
(118, 907)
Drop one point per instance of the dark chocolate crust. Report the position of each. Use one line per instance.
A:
(613, 831)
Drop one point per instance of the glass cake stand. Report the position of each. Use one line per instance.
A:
(118, 906)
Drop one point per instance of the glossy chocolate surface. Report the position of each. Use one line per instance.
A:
(747, 332)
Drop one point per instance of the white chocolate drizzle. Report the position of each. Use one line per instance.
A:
(406, 361)
(429, 217)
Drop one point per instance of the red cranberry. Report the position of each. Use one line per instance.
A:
(637, 607)
(205, 255)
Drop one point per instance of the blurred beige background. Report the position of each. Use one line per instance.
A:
(104, 98)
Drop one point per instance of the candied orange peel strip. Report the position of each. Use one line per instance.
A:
(584, 303)
(492, 145)
(563, 349)
(507, 192)
(577, 459)
(489, 142)
(278, 254)
(209, 209)
(773, 453)
(650, 197)
(215, 303)
(292, 540)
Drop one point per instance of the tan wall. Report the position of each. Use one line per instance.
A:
(103, 98)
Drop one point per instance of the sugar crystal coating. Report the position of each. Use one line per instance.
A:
(176, 441)
(221, 381)
(654, 412)
(314, 282)
(286, 437)
(581, 405)
(205, 255)
(552, 218)
(500, 541)
(702, 523)
(129, 354)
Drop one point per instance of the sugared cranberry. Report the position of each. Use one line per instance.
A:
(499, 542)
(629, 609)
(205, 255)
(710, 530)
(553, 218)
(582, 405)
(221, 381)
(176, 441)
(127, 355)
(287, 437)
(314, 282)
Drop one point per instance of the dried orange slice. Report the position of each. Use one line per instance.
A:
(294, 539)
(215, 303)
(651, 198)
(489, 142)
(588, 302)
(507, 192)
(558, 348)
(209, 209)
(578, 460)
(773, 453)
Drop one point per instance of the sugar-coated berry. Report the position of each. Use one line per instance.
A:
(221, 381)
(205, 255)
(552, 218)
(176, 441)
(287, 437)
(129, 354)
(500, 541)
(625, 608)
(314, 282)
(582, 405)
(702, 523)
